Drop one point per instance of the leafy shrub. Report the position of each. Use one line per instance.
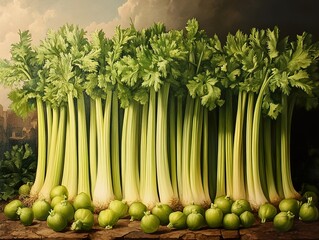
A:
(17, 167)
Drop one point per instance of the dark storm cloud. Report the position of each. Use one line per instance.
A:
(292, 17)
(224, 16)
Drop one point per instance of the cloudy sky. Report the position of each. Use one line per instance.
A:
(215, 16)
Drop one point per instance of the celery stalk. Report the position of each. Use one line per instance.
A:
(259, 194)
(173, 144)
(229, 135)
(131, 143)
(55, 162)
(149, 194)
(288, 188)
(250, 193)
(103, 193)
(115, 147)
(42, 151)
(195, 174)
(239, 188)
(82, 148)
(268, 151)
(165, 188)
(186, 195)
(221, 172)
(92, 145)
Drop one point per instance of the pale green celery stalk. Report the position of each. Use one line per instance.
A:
(49, 178)
(212, 152)
(259, 194)
(66, 165)
(288, 188)
(229, 138)
(60, 147)
(279, 184)
(55, 164)
(107, 151)
(221, 178)
(93, 145)
(49, 124)
(101, 162)
(103, 191)
(195, 174)
(204, 155)
(250, 189)
(144, 143)
(131, 182)
(186, 196)
(123, 148)
(165, 188)
(268, 152)
(179, 144)
(72, 181)
(172, 143)
(42, 151)
(115, 147)
(149, 194)
(239, 186)
(82, 148)
(262, 164)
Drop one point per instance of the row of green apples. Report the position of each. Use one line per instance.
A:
(223, 213)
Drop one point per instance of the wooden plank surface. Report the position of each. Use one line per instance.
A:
(131, 230)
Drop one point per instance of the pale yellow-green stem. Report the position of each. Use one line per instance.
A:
(195, 173)
(179, 144)
(165, 188)
(260, 197)
(82, 148)
(72, 182)
(239, 189)
(288, 188)
(55, 164)
(131, 182)
(149, 193)
(93, 145)
(221, 172)
(115, 147)
(205, 150)
(250, 193)
(229, 135)
(42, 151)
(269, 155)
(173, 144)
(186, 195)
(103, 193)
(144, 143)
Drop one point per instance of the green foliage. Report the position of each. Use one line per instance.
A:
(17, 167)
